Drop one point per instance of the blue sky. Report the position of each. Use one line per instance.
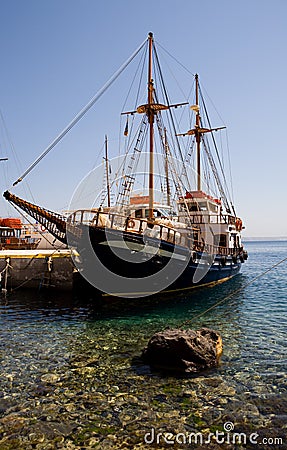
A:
(56, 54)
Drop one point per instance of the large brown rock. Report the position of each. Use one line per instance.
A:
(185, 351)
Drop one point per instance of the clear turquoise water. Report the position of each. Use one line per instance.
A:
(70, 367)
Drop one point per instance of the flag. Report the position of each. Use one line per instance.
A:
(126, 132)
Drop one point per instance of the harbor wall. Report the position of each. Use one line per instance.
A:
(37, 269)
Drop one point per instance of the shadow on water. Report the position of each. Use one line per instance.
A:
(172, 309)
(29, 304)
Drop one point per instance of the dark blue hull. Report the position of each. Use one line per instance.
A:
(131, 265)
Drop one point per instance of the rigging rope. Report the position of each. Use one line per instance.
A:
(217, 154)
(170, 114)
(186, 322)
(81, 113)
(17, 161)
(173, 57)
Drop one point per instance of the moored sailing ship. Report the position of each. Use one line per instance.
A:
(140, 244)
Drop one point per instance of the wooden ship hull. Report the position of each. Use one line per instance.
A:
(129, 256)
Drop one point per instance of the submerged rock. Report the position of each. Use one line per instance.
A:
(184, 351)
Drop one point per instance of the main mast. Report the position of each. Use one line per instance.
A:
(150, 114)
(197, 135)
(151, 109)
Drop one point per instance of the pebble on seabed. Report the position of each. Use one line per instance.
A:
(100, 398)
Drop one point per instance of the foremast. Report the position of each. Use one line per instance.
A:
(198, 132)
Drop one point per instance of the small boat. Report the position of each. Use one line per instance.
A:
(144, 243)
(13, 235)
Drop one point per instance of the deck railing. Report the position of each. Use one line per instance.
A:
(178, 236)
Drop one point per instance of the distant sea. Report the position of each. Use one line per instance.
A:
(72, 377)
(265, 239)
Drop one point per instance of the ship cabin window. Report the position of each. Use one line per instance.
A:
(193, 206)
(213, 208)
(203, 206)
(234, 240)
(156, 213)
(220, 240)
(197, 206)
(182, 207)
(145, 213)
(7, 233)
(165, 212)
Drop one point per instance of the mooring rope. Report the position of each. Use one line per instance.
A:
(5, 272)
(186, 322)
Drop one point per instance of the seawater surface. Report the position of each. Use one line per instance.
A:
(72, 377)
